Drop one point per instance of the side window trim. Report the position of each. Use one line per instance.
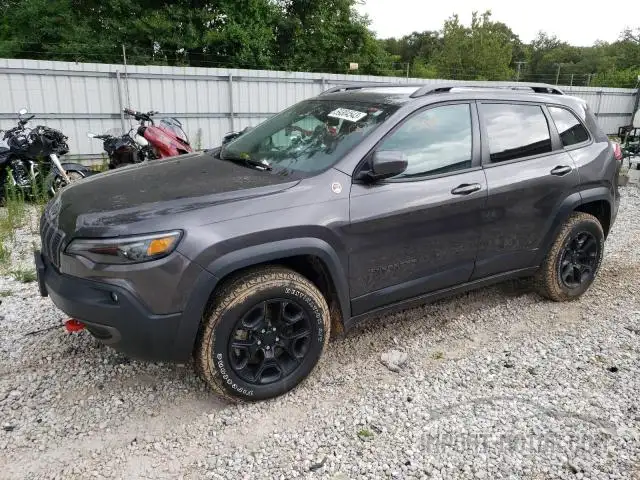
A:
(476, 150)
(486, 156)
(579, 119)
(556, 141)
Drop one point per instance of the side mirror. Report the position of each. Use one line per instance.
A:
(22, 111)
(385, 164)
(636, 119)
(91, 135)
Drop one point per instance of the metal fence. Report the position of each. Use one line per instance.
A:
(77, 98)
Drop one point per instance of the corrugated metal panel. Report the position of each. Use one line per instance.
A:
(78, 98)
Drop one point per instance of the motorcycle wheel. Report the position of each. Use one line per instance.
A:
(55, 182)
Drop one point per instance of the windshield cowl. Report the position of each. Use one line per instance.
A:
(243, 158)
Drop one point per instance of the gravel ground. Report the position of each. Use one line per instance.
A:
(497, 384)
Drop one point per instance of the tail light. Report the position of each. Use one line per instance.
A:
(617, 151)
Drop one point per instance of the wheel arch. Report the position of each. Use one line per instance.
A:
(595, 201)
(76, 167)
(311, 257)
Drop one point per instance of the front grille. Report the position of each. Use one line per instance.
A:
(51, 239)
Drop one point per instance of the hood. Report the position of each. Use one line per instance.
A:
(118, 198)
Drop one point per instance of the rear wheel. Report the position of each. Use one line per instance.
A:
(571, 264)
(265, 332)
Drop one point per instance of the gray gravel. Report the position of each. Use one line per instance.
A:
(497, 384)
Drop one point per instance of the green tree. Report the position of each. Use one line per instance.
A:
(325, 35)
(482, 51)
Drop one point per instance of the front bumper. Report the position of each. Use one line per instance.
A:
(113, 315)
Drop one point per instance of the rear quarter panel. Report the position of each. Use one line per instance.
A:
(596, 166)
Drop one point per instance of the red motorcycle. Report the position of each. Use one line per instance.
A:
(166, 138)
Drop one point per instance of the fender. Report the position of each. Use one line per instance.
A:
(76, 167)
(246, 257)
(267, 252)
(565, 210)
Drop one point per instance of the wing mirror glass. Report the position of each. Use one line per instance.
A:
(23, 111)
(91, 135)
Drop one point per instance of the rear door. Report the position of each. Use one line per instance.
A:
(418, 232)
(528, 176)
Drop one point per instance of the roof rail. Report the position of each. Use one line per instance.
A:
(360, 86)
(443, 88)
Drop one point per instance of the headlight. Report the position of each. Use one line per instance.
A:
(123, 250)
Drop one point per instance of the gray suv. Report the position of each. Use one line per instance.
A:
(360, 201)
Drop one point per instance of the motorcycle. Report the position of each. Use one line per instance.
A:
(124, 149)
(31, 154)
(149, 141)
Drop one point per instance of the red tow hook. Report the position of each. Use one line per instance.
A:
(73, 325)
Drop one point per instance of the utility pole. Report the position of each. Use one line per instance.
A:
(571, 84)
(408, 65)
(519, 64)
(558, 73)
(126, 78)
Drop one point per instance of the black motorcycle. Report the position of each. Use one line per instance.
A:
(123, 150)
(30, 159)
(126, 149)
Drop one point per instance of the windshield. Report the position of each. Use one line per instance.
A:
(310, 136)
(173, 125)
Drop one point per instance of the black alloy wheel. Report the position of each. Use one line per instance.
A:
(579, 260)
(270, 341)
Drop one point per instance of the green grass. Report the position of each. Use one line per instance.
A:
(15, 212)
(365, 434)
(438, 355)
(15, 215)
(24, 276)
(5, 255)
(5, 293)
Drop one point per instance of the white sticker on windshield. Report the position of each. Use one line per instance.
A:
(346, 114)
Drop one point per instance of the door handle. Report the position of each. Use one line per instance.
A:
(466, 188)
(561, 170)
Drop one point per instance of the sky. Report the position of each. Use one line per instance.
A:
(579, 23)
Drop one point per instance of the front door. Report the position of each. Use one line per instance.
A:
(419, 232)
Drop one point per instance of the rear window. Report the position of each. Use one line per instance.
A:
(515, 131)
(569, 127)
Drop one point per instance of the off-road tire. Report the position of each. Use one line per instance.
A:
(232, 300)
(547, 280)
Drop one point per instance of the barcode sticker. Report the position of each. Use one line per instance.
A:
(346, 114)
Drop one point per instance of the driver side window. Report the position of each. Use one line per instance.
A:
(435, 141)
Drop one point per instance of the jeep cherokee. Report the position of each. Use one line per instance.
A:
(360, 201)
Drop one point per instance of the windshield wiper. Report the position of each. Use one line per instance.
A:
(244, 158)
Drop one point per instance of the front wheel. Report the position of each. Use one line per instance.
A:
(573, 260)
(265, 332)
(55, 181)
